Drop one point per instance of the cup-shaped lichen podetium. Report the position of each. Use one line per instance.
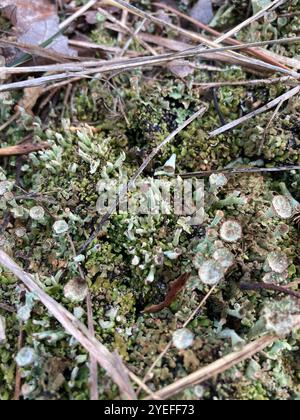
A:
(37, 213)
(224, 257)
(281, 207)
(277, 262)
(211, 272)
(76, 290)
(183, 338)
(231, 231)
(60, 227)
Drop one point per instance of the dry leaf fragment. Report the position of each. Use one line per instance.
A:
(31, 95)
(36, 21)
(12, 48)
(175, 287)
(203, 11)
(181, 68)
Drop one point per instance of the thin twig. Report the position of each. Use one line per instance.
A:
(61, 84)
(124, 22)
(94, 46)
(267, 286)
(24, 148)
(48, 98)
(132, 37)
(264, 137)
(261, 110)
(126, 188)
(40, 81)
(10, 121)
(81, 11)
(143, 386)
(294, 283)
(240, 58)
(253, 82)
(192, 316)
(35, 197)
(234, 171)
(133, 34)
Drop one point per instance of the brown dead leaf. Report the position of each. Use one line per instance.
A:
(181, 68)
(31, 95)
(25, 105)
(36, 21)
(91, 17)
(203, 11)
(175, 287)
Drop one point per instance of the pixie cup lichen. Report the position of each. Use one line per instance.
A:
(231, 231)
(281, 207)
(277, 262)
(211, 272)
